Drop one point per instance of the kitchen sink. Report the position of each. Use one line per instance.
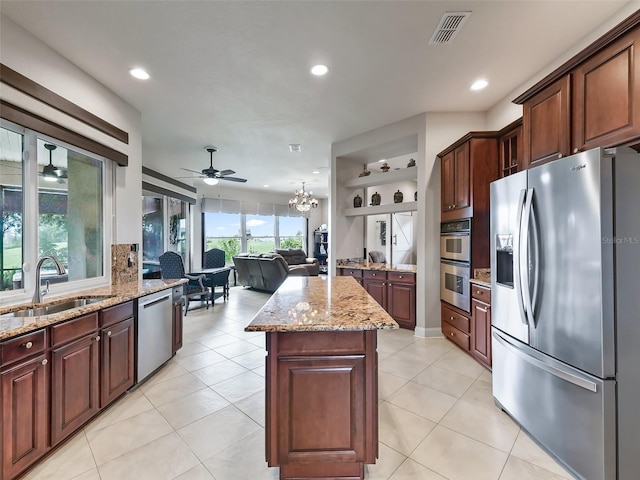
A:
(55, 307)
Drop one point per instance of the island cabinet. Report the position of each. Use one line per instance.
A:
(176, 318)
(592, 100)
(467, 168)
(321, 377)
(351, 272)
(24, 380)
(75, 375)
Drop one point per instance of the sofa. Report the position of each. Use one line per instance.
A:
(265, 271)
(296, 257)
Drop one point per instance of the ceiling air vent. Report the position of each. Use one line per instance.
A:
(450, 24)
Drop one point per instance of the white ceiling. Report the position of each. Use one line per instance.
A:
(235, 74)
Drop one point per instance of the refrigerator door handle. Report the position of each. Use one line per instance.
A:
(535, 264)
(517, 265)
(564, 375)
(523, 258)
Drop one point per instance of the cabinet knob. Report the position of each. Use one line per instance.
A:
(399, 276)
(374, 275)
(109, 333)
(576, 150)
(27, 345)
(478, 292)
(97, 339)
(45, 361)
(451, 334)
(450, 318)
(559, 155)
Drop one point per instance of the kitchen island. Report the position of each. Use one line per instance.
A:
(321, 377)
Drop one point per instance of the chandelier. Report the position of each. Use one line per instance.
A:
(303, 201)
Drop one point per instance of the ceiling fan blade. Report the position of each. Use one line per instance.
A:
(189, 170)
(224, 173)
(234, 179)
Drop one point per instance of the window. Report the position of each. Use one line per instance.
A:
(223, 231)
(235, 233)
(53, 204)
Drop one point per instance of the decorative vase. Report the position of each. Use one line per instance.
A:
(398, 197)
(365, 172)
(357, 201)
(412, 163)
(385, 167)
(375, 199)
(415, 196)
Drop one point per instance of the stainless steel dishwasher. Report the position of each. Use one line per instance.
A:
(154, 332)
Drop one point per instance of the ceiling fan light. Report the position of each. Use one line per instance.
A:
(211, 181)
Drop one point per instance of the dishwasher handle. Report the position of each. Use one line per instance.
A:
(155, 302)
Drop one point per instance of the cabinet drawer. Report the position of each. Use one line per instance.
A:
(481, 293)
(455, 335)
(74, 329)
(401, 277)
(352, 272)
(23, 346)
(374, 274)
(116, 313)
(454, 318)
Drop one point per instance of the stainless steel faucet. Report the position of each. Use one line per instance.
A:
(38, 294)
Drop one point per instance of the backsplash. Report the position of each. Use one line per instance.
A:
(124, 263)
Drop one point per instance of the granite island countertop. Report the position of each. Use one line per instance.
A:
(113, 294)
(305, 304)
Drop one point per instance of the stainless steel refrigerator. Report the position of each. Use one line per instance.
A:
(565, 262)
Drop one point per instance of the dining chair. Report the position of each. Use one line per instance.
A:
(214, 258)
(172, 266)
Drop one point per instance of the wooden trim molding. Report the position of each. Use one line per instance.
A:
(22, 117)
(169, 193)
(616, 32)
(164, 178)
(37, 91)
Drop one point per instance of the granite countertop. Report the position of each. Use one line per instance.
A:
(113, 295)
(480, 281)
(305, 304)
(379, 266)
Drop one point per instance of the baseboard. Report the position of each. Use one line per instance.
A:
(423, 332)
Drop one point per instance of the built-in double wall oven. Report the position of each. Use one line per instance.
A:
(455, 266)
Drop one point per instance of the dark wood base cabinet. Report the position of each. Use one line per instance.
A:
(54, 380)
(321, 404)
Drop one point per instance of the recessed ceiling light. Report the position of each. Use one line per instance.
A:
(383, 160)
(319, 70)
(139, 73)
(211, 181)
(479, 84)
(316, 172)
(266, 186)
(295, 147)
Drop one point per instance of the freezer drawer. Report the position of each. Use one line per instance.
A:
(569, 413)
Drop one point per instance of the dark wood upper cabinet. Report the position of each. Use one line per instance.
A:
(606, 96)
(546, 124)
(467, 168)
(510, 144)
(592, 100)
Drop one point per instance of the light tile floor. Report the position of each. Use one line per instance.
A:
(202, 415)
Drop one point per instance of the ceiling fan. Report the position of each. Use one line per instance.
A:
(210, 175)
(51, 172)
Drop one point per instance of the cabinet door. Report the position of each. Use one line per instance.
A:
(377, 289)
(606, 96)
(546, 124)
(116, 370)
(401, 304)
(511, 152)
(481, 331)
(25, 415)
(461, 177)
(74, 385)
(333, 385)
(177, 327)
(447, 179)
